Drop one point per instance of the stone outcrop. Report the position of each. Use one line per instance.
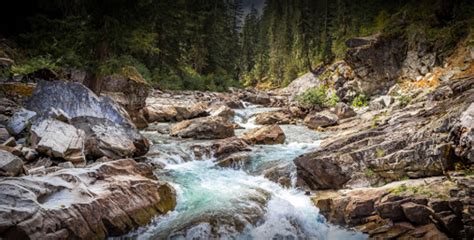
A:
(270, 134)
(203, 128)
(77, 110)
(376, 61)
(108, 199)
(421, 140)
(432, 208)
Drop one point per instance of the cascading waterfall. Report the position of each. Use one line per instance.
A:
(226, 203)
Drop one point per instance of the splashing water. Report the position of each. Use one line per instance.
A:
(224, 203)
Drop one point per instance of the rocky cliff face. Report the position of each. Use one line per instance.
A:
(416, 141)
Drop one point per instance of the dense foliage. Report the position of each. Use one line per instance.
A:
(294, 37)
(211, 45)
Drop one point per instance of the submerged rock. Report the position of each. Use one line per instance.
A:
(203, 128)
(271, 134)
(108, 199)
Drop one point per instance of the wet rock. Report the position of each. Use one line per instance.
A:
(281, 174)
(342, 111)
(10, 165)
(66, 165)
(109, 139)
(70, 204)
(20, 121)
(319, 174)
(234, 160)
(269, 118)
(228, 146)
(59, 140)
(222, 111)
(257, 98)
(271, 134)
(320, 119)
(203, 128)
(169, 113)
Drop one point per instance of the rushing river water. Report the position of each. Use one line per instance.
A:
(237, 203)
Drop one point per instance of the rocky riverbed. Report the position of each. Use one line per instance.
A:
(142, 163)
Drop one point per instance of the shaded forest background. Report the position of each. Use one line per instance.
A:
(211, 45)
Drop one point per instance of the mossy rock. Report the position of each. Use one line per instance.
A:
(16, 89)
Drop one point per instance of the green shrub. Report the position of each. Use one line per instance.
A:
(317, 97)
(360, 101)
(404, 100)
(35, 64)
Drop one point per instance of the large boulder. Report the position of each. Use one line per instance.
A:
(222, 111)
(106, 138)
(108, 129)
(10, 165)
(203, 128)
(109, 199)
(59, 140)
(303, 83)
(76, 101)
(320, 119)
(130, 90)
(174, 113)
(271, 134)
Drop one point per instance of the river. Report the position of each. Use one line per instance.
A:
(239, 202)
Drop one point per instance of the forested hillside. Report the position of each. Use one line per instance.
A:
(211, 45)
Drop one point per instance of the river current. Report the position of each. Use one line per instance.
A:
(237, 203)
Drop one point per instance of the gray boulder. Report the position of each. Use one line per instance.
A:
(106, 128)
(109, 139)
(381, 102)
(20, 121)
(10, 165)
(75, 100)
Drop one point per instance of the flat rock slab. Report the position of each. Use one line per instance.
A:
(107, 199)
